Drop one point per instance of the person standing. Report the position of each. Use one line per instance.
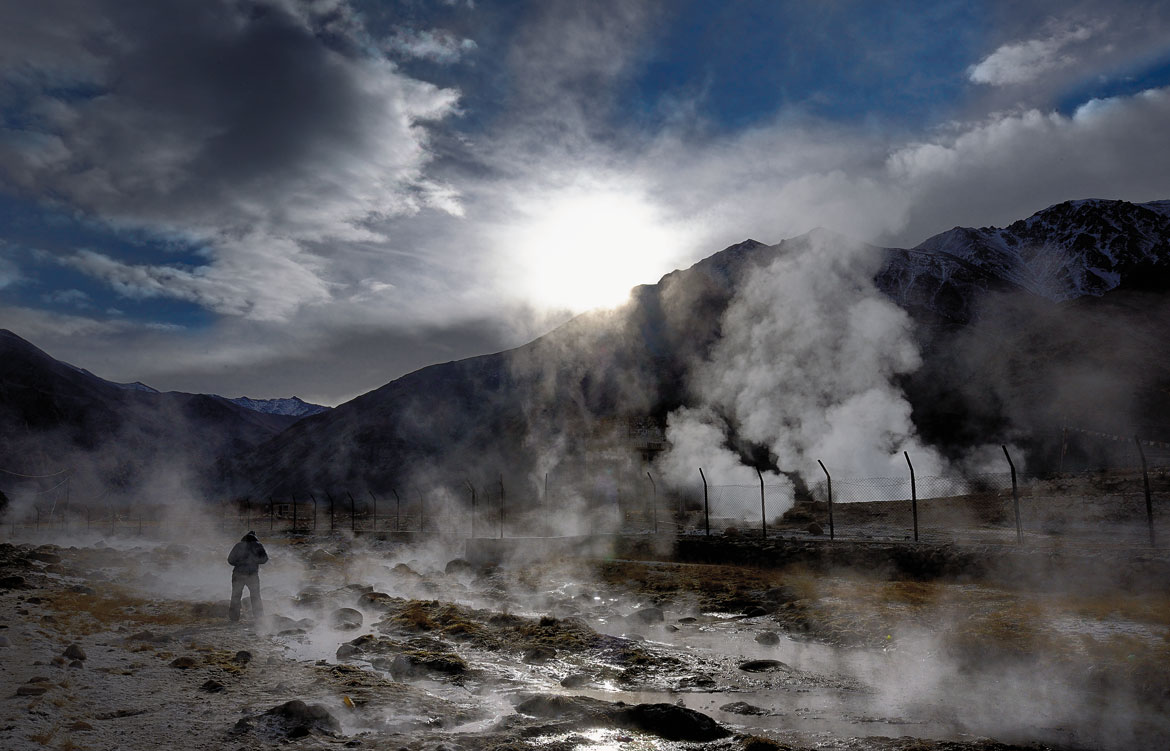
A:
(246, 558)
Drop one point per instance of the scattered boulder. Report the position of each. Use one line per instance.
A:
(415, 664)
(347, 619)
(82, 589)
(377, 600)
(44, 557)
(148, 636)
(742, 707)
(12, 582)
(539, 654)
(321, 557)
(183, 663)
(403, 570)
(768, 638)
(32, 689)
(77, 664)
(74, 652)
(648, 615)
(347, 650)
(754, 611)
(458, 566)
(296, 719)
(212, 687)
(672, 722)
(815, 529)
(575, 680)
(762, 666)
(79, 726)
(243, 657)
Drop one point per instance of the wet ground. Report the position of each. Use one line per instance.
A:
(390, 646)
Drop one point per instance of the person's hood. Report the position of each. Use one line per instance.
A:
(250, 537)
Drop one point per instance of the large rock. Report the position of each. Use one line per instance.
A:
(648, 615)
(672, 722)
(74, 652)
(347, 619)
(296, 719)
(12, 582)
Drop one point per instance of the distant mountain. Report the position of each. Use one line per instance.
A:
(116, 439)
(292, 406)
(998, 323)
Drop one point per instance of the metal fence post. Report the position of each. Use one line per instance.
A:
(271, 514)
(330, 498)
(352, 514)
(294, 504)
(1146, 483)
(374, 498)
(706, 506)
(422, 507)
(653, 501)
(472, 487)
(1015, 496)
(829, 479)
(501, 507)
(913, 495)
(544, 500)
(763, 511)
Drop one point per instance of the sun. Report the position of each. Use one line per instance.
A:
(580, 250)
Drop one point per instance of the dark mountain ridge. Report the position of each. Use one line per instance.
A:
(1055, 319)
(1002, 354)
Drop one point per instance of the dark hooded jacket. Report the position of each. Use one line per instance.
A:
(247, 555)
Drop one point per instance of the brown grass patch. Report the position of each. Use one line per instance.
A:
(87, 614)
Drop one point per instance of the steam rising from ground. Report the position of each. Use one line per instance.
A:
(806, 366)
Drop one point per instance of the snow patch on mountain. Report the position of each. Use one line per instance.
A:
(292, 406)
(1068, 250)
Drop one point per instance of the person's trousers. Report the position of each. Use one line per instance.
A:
(252, 581)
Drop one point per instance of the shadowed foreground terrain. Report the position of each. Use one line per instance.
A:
(124, 643)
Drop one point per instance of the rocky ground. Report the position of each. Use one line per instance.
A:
(125, 644)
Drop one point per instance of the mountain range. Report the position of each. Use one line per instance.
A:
(1057, 319)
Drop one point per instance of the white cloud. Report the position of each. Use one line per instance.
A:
(1024, 61)
(428, 44)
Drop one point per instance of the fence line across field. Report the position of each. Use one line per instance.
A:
(990, 507)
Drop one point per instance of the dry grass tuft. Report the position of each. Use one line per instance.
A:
(87, 614)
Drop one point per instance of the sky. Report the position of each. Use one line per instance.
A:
(274, 197)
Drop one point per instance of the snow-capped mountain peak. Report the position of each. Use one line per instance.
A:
(292, 406)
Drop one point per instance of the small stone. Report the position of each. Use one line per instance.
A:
(754, 611)
(768, 638)
(742, 707)
(74, 652)
(82, 589)
(183, 663)
(243, 657)
(79, 725)
(31, 690)
(3, 641)
(762, 666)
(648, 615)
(815, 529)
(12, 582)
(212, 687)
(345, 651)
(539, 655)
(77, 664)
(43, 557)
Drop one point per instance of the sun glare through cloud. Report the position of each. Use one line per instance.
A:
(586, 249)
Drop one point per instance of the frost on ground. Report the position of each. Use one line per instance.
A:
(126, 644)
